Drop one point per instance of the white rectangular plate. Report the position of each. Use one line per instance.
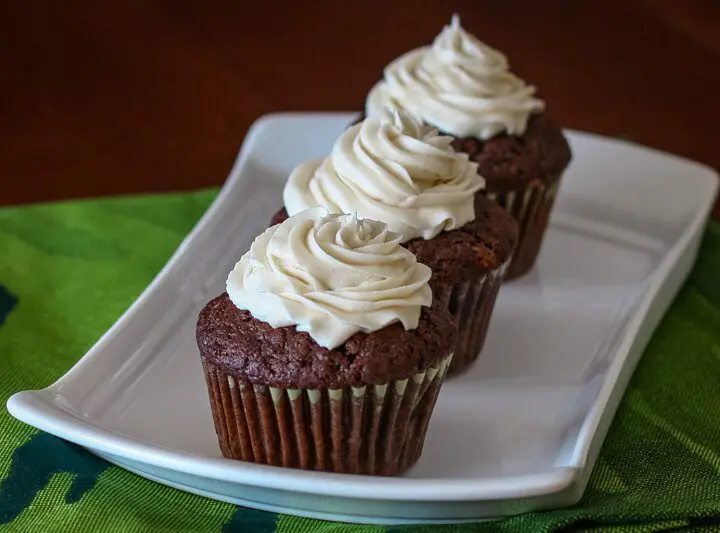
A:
(519, 432)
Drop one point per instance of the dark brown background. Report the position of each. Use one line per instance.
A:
(128, 96)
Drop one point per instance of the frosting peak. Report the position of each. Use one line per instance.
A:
(392, 168)
(456, 47)
(460, 85)
(331, 276)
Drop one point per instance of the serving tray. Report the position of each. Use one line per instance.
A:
(519, 432)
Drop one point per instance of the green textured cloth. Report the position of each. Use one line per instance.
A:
(68, 270)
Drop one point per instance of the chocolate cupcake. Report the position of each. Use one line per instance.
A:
(393, 168)
(465, 89)
(325, 352)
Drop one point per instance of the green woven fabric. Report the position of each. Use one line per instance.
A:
(68, 270)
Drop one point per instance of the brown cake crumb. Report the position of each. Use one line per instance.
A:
(283, 357)
(509, 162)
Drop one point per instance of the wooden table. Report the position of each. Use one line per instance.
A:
(126, 96)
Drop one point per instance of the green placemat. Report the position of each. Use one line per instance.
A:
(68, 270)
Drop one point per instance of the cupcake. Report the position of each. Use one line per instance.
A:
(465, 89)
(325, 352)
(393, 168)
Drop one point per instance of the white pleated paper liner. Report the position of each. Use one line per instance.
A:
(375, 429)
(531, 209)
(471, 303)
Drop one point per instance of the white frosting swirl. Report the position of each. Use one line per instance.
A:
(459, 85)
(331, 276)
(391, 168)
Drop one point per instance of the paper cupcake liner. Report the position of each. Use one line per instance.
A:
(376, 429)
(531, 208)
(471, 303)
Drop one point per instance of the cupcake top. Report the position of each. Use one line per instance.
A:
(393, 168)
(459, 85)
(326, 301)
(330, 276)
(255, 352)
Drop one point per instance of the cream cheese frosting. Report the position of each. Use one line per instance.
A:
(391, 167)
(331, 276)
(459, 85)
